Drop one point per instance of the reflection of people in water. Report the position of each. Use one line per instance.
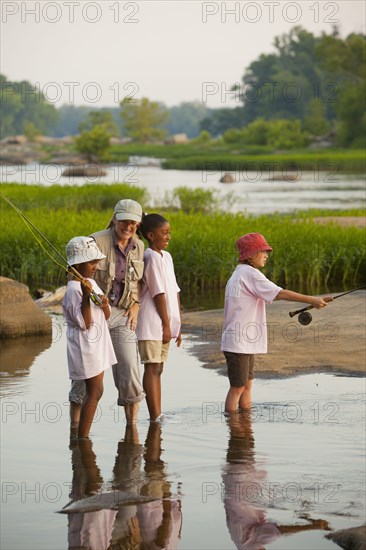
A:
(160, 520)
(154, 525)
(244, 490)
(127, 477)
(151, 525)
(245, 519)
(91, 530)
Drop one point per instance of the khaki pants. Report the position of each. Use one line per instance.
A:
(126, 372)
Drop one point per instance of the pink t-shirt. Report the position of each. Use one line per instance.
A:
(159, 278)
(246, 294)
(89, 351)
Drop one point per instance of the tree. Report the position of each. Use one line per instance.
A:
(22, 102)
(346, 61)
(30, 131)
(144, 119)
(93, 143)
(315, 122)
(218, 121)
(185, 118)
(279, 134)
(283, 84)
(98, 118)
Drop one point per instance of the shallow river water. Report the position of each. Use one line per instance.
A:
(254, 191)
(277, 481)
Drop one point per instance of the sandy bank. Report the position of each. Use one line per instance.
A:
(333, 342)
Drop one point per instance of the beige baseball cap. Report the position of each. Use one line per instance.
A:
(128, 209)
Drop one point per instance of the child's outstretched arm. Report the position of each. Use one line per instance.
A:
(160, 304)
(292, 296)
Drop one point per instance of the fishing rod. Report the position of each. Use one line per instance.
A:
(305, 317)
(94, 296)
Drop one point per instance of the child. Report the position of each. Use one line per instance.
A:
(245, 332)
(89, 346)
(159, 319)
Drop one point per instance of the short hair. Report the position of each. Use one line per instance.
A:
(150, 222)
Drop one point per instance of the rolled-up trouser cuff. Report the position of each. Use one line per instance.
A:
(77, 392)
(126, 372)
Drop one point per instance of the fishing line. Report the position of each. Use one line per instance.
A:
(32, 228)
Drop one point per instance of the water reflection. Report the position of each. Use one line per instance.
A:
(16, 357)
(245, 519)
(139, 473)
(246, 491)
(91, 530)
(161, 520)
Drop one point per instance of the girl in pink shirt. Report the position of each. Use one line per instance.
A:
(159, 318)
(244, 333)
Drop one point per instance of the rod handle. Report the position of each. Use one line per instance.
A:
(306, 308)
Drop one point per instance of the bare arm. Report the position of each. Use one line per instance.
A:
(179, 337)
(105, 307)
(160, 304)
(85, 303)
(291, 296)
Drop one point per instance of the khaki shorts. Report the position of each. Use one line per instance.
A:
(240, 368)
(153, 351)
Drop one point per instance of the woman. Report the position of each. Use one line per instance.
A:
(118, 275)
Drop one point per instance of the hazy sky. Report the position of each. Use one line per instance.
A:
(95, 53)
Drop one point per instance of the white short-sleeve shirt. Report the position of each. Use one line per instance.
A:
(159, 278)
(246, 294)
(89, 351)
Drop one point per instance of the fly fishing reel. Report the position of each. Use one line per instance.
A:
(305, 318)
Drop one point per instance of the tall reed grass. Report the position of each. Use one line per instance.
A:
(307, 257)
(333, 162)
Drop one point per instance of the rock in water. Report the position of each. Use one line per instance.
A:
(350, 539)
(227, 178)
(84, 171)
(19, 315)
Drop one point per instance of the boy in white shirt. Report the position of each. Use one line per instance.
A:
(244, 333)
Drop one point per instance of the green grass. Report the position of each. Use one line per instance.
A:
(335, 162)
(307, 257)
(217, 155)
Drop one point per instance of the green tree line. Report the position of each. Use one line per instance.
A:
(309, 86)
(319, 81)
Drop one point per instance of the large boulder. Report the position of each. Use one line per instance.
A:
(350, 539)
(19, 315)
(52, 301)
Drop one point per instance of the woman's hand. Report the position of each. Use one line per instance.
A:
(132, 315)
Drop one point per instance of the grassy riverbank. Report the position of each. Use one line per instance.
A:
(307, 256)
(217, 156)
